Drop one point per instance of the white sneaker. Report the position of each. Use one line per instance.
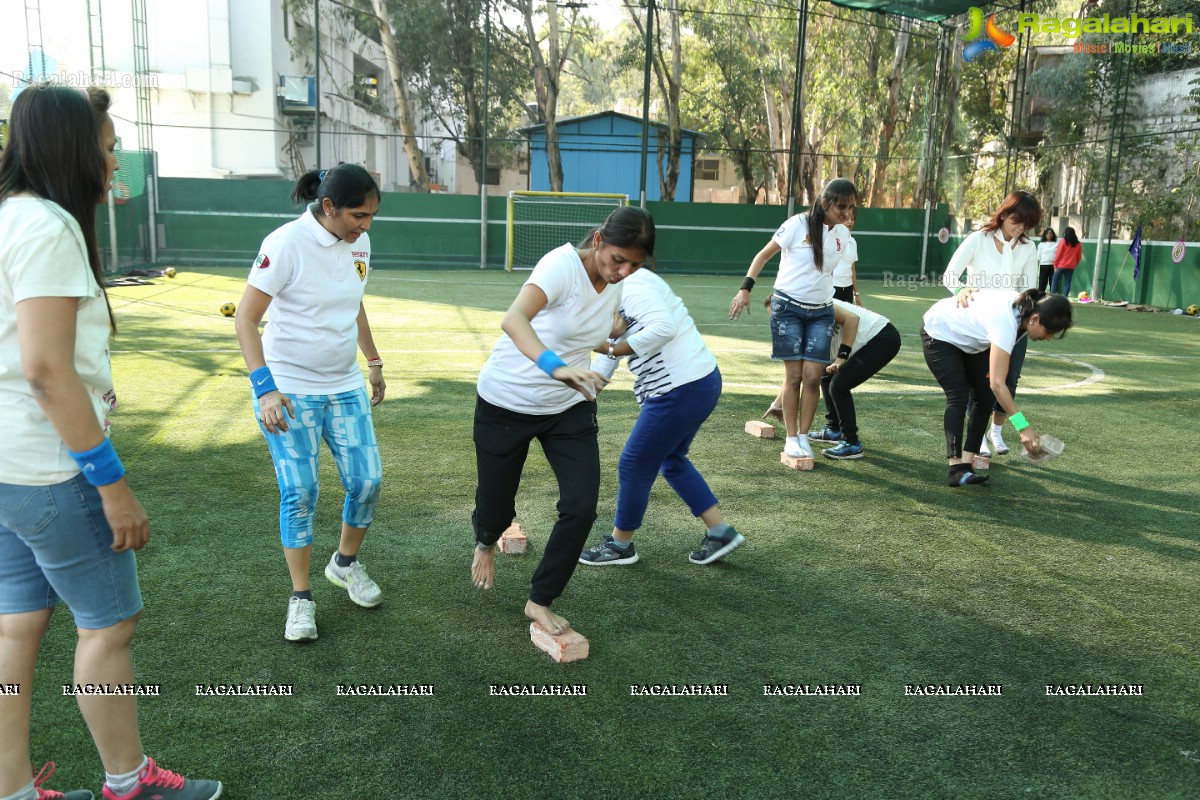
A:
(301, 620)
(997, 443)
(354, 579)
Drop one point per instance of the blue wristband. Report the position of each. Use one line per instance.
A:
(263, 381)
(549, 361)
(100, 465)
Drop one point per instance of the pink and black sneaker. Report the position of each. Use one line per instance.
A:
(49, 794)
(156, 783)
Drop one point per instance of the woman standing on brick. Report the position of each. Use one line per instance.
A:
(1000, 256)
(69, 521)
(537, 384)
(307, 385)
(802, 304)
(677, 384)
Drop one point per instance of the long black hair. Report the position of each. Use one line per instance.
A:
(346, 186)
(1070, 237)
(1053, 310)
(54, 152)
(1049, 235)
(838, 189)
(626, 226)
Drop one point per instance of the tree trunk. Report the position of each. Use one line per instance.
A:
(404, 114)
(545, 78)
(883, 150)
(953, 87)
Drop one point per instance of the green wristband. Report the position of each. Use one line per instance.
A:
(1019, 422)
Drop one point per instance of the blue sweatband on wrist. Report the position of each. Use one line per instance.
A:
(263, 381)
(100, 465)
(549, 361)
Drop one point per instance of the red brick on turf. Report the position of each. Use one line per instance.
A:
(513, 541)
(763, 430)
(569, 646)
(803, 464)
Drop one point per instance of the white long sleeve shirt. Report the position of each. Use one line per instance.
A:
(1012, 267)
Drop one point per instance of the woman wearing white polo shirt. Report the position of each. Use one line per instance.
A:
(802, 304)
(312, 274)
(845, 277)
(537, 385)
(967, 346)
(677, 384)
(1000, 256)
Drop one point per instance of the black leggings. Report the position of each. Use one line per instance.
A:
(962, 376)
(569, 440)
(870, 358)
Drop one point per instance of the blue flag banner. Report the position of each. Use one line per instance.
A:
(1135, 250)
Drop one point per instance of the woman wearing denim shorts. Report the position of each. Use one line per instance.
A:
(802, 316)
(307, 385)
(69, 522)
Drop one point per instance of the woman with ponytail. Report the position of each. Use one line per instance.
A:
(968, 346)
(1066, 258)
(69, 522)
(802, 316)
(538, 384)
(305, 378)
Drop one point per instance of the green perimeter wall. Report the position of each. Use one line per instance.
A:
(212, 221)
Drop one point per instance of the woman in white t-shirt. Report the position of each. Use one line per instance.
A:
(968, 342)
(1046, 249)
(537, 384)
(677, 384)
(802, 304)
(1000, 256)
(307, 385)
(845, 277)
(69, 522)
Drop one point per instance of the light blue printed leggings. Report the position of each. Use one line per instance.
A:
(344, 422)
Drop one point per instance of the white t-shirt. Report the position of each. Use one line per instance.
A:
(1046, 252)
(1013, 268)
(44, 255)
(798, 276)
(316, 282)
(989, 319)
(869, 326)
(844, 274)
(575, 319)
(668, 350)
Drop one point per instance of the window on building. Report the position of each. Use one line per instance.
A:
(493, 176)
(365, 89)
(708, 169)
(522, 162)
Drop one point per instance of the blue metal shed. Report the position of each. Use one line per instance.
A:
(602, 153)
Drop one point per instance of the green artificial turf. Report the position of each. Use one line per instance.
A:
(871, 573)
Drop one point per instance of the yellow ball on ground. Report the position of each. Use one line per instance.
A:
(1084, 296)
(169, 272)
(228, 309)
(1193, 310)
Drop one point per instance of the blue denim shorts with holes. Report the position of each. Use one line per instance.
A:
(799, 333)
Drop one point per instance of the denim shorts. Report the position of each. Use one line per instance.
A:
(800, 334)
(55, 543)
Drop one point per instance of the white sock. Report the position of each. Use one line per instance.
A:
(802, 438)
(124, 783)
(793, 440)
(27, 792)
(997, 431)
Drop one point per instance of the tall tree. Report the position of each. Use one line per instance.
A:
(667, 61)
(400, 74)
(888, 128)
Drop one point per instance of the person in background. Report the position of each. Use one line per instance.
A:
(1000, 256)
(69, 521)
(1066, 259)
(1047, 248)
(305, 379)
(845, 277)
(802, 303)
(537, 384)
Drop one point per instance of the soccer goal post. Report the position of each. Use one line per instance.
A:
(538, 222)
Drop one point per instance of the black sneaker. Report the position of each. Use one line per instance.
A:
(608, 553)
(714, 548)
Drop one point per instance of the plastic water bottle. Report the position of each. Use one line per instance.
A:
(1052, 448)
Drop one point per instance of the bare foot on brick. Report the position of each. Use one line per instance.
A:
(542, 615)
(483, 567)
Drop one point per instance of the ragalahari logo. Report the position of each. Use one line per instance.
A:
(983, 38)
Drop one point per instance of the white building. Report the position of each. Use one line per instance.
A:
(219, 70)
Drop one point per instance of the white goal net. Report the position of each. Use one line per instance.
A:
(538, 222)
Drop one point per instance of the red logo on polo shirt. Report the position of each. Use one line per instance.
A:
(262, 262)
